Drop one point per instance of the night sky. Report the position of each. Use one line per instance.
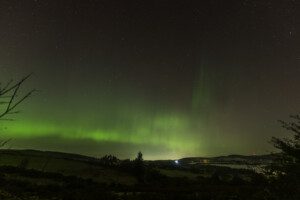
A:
(170, 78)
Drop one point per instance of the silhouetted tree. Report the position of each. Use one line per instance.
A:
(109, 160)
(139, 157)
(286, 184)
(10, 99)
(139, 167)
(290, 147)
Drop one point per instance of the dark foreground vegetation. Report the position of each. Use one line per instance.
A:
(132, 179)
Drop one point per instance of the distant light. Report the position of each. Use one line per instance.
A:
(176, 162)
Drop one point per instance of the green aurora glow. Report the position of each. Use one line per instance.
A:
(162, 133)
(117, 122)
(127, 119)
(169, 79)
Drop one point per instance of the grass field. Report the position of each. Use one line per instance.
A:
(65, 164)
(40, 175)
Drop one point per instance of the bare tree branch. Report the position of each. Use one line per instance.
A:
(11, 92)
(4, 142)
(7, 89)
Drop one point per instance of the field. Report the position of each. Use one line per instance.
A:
(66, 164)
(29, 174)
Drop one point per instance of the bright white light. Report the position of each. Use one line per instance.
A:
(176, 162)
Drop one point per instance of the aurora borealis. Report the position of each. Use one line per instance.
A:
(170, 78)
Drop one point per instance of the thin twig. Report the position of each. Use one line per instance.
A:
(12, 103)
